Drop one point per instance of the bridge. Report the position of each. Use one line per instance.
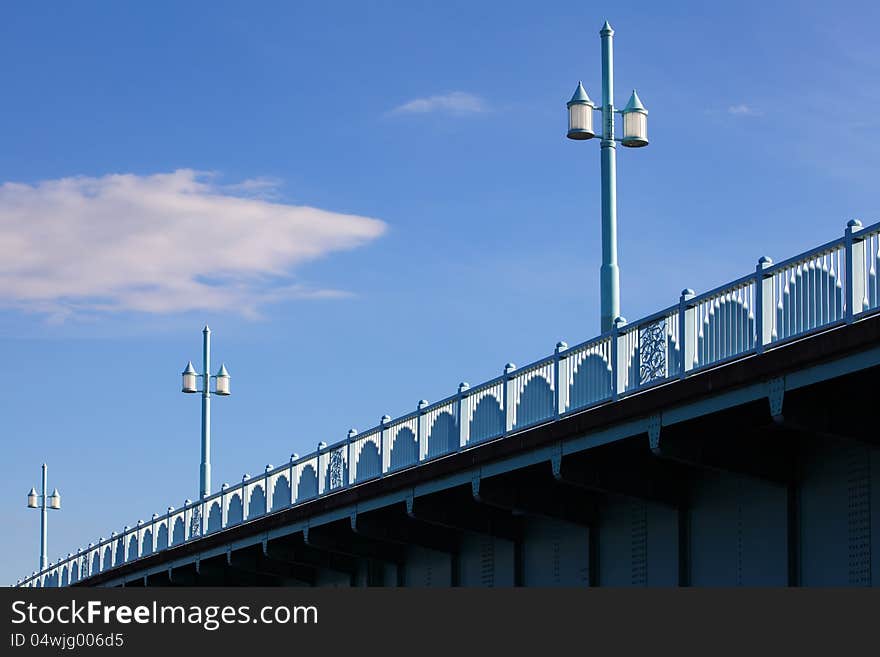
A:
(728, 439)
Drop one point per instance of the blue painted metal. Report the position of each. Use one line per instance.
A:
(222, 374)
(46, 502)
(43, 524)
(763, 310)
(609, 273)
(205, 466)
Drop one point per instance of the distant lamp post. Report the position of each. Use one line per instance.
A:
(221, 387)
(635, 134)
(44, 502)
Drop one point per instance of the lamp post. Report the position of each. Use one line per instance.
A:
(42, 502)
(635, 134)
(221, 387)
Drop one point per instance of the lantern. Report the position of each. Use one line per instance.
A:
(635, 123)
(580, 115)
(189, 378)
(222, 381)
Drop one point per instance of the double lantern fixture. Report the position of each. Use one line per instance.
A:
(580, 118)
(221, 380)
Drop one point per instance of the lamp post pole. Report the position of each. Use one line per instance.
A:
(205, 470)
(221, 387)
(44, 541)
(44, 502)
(635, 135)
(609, 272)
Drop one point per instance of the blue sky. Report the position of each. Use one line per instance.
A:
(368, 203)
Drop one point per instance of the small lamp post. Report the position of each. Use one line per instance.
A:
(221, 387)
(635, 134)
(44, 502)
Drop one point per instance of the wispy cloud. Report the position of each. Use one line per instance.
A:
(455, 102)
(162, 243)
(743, 110)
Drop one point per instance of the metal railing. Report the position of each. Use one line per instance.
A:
(833, 284)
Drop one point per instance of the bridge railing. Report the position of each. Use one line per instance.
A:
(827, 286)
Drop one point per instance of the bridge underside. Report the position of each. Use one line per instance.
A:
(765, 472)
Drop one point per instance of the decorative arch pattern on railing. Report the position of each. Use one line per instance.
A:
(308, 483)
(257, 504)
(369, 462)
(590, 380)
(214, 517)
(535, 403)
(443, 435)
(162, 537)
(487, 420)
(727, 328)
(235, 511)
(178, 535)
(825, 287)
(147, 542)
(281, 493)
(404, 449)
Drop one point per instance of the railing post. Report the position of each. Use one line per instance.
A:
(292, 469)
(507, 393)
(224, 516)
(349, 477)
(560, 378)
(765, 306)
(616, 349)
(687, 339)
(351, 434)
(384, 445)
(123, 539)
(320, 465)
(266, 490)
(154, 534)
(422, 431)
(855, 270)
(461, 410)
(245, 498)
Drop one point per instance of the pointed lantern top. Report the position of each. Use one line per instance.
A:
(580, 97)
(189, 369)
(635, 104)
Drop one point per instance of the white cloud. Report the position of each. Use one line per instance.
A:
(743, 110)
(162, 243)
(455, 102)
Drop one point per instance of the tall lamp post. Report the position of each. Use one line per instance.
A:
(43, 503)
(635, 134)
(221, 387)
